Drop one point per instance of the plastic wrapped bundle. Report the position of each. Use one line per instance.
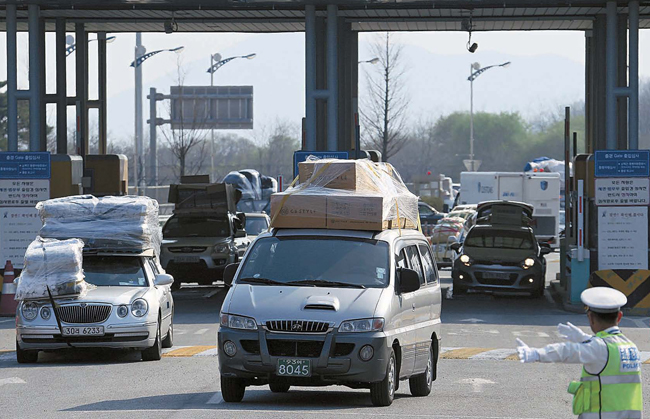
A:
(347, 195)
(124, 222)
(53, 264)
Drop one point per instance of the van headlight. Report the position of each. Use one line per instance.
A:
(465, 259)
(528, 263)
(139, 307)
(29, 310)
(375, 324)
(238, 322)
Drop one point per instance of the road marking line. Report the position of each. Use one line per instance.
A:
(12, 380)
(8, 320)
(212, 293)
(495, 354)
(311, 412)
(215, 399)
(188, 351)
(179, 331)
(463, 353)
(200, 331)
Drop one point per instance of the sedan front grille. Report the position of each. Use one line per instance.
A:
(187, 249)
(84, 313)
(297, 326)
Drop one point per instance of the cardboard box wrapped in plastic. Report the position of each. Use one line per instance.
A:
(53, 264)
(346, 195)
(122, 222)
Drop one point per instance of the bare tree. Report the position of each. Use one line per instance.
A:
(188, 140)
(383, 111)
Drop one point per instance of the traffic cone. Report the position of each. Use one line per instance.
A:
(7, 303)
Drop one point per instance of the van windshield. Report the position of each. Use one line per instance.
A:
(318, 262)
(196, 227)
(502, 239)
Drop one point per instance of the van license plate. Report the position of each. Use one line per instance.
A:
(83, 331)
(294, 367)
(497, 275)
(187, 259)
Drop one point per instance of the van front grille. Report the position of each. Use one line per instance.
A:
(297, 326)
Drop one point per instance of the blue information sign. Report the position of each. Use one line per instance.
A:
(622, 163)
(24, 165)
(300, 156)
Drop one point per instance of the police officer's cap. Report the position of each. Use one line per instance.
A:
(603, 299)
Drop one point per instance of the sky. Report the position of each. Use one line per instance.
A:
(547, 72)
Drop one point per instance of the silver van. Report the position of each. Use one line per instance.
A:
(331, 307)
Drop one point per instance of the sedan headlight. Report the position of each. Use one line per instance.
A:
(139, 307)
(122, 311)
(529, 263)
(238, 322)
(222, 248)
(29, 310)
(362, 325)
(465, 259)
(46, 313)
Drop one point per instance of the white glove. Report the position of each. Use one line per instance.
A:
(525, 353)
(572, 333)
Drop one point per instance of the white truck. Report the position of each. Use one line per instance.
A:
(541, 190)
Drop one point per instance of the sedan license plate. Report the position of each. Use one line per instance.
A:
(294, 367)
(83, 331)
(496, 275)
(187, 259)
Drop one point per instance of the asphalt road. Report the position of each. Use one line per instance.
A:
(478, 376)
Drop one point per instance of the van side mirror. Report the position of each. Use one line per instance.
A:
(240, 234)
(456, 247)
(545, 251)
(408, 280)
(229, 273)
(163, 279)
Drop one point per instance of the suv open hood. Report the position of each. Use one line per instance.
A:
(504, 212)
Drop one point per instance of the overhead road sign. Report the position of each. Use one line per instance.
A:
(472, 165)
(211, 107)
(24, 165)
(622, 163)
(300, 156)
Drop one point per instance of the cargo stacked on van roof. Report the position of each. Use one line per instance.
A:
(113, 222)
(346, 195)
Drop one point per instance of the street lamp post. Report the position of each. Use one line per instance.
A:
(141, 55)
(357, 127)
(72, 46)
(215, 64)
(475, 70)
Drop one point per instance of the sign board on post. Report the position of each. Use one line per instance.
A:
(622, 238)
(300, 156)
(24, 165)
(622, 191)
(623, 163)
(24, 180)
(211, 107)
(23, 193)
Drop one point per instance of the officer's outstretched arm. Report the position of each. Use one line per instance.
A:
(588, 352)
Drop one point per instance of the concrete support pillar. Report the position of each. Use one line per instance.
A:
(596, 94)
(81, 75)
(633, 121)
(153, 145)
(33, 17)
(61, 89)
(589, 98)
(310, 76)
(348, 82)
(332, 77)
(611, 76)
(102, 79)
(42, 88)
(621, 81)
(12, 80)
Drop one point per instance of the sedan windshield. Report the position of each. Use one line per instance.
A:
(317, 262)
(114, 271)
(196, 227)
(502, 239)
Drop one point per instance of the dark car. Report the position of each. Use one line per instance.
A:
(500, 253)
(428, 214)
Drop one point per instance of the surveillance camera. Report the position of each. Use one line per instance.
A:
(473, 48)
(169, 26)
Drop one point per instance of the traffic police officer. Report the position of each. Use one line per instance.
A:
(610, 386)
